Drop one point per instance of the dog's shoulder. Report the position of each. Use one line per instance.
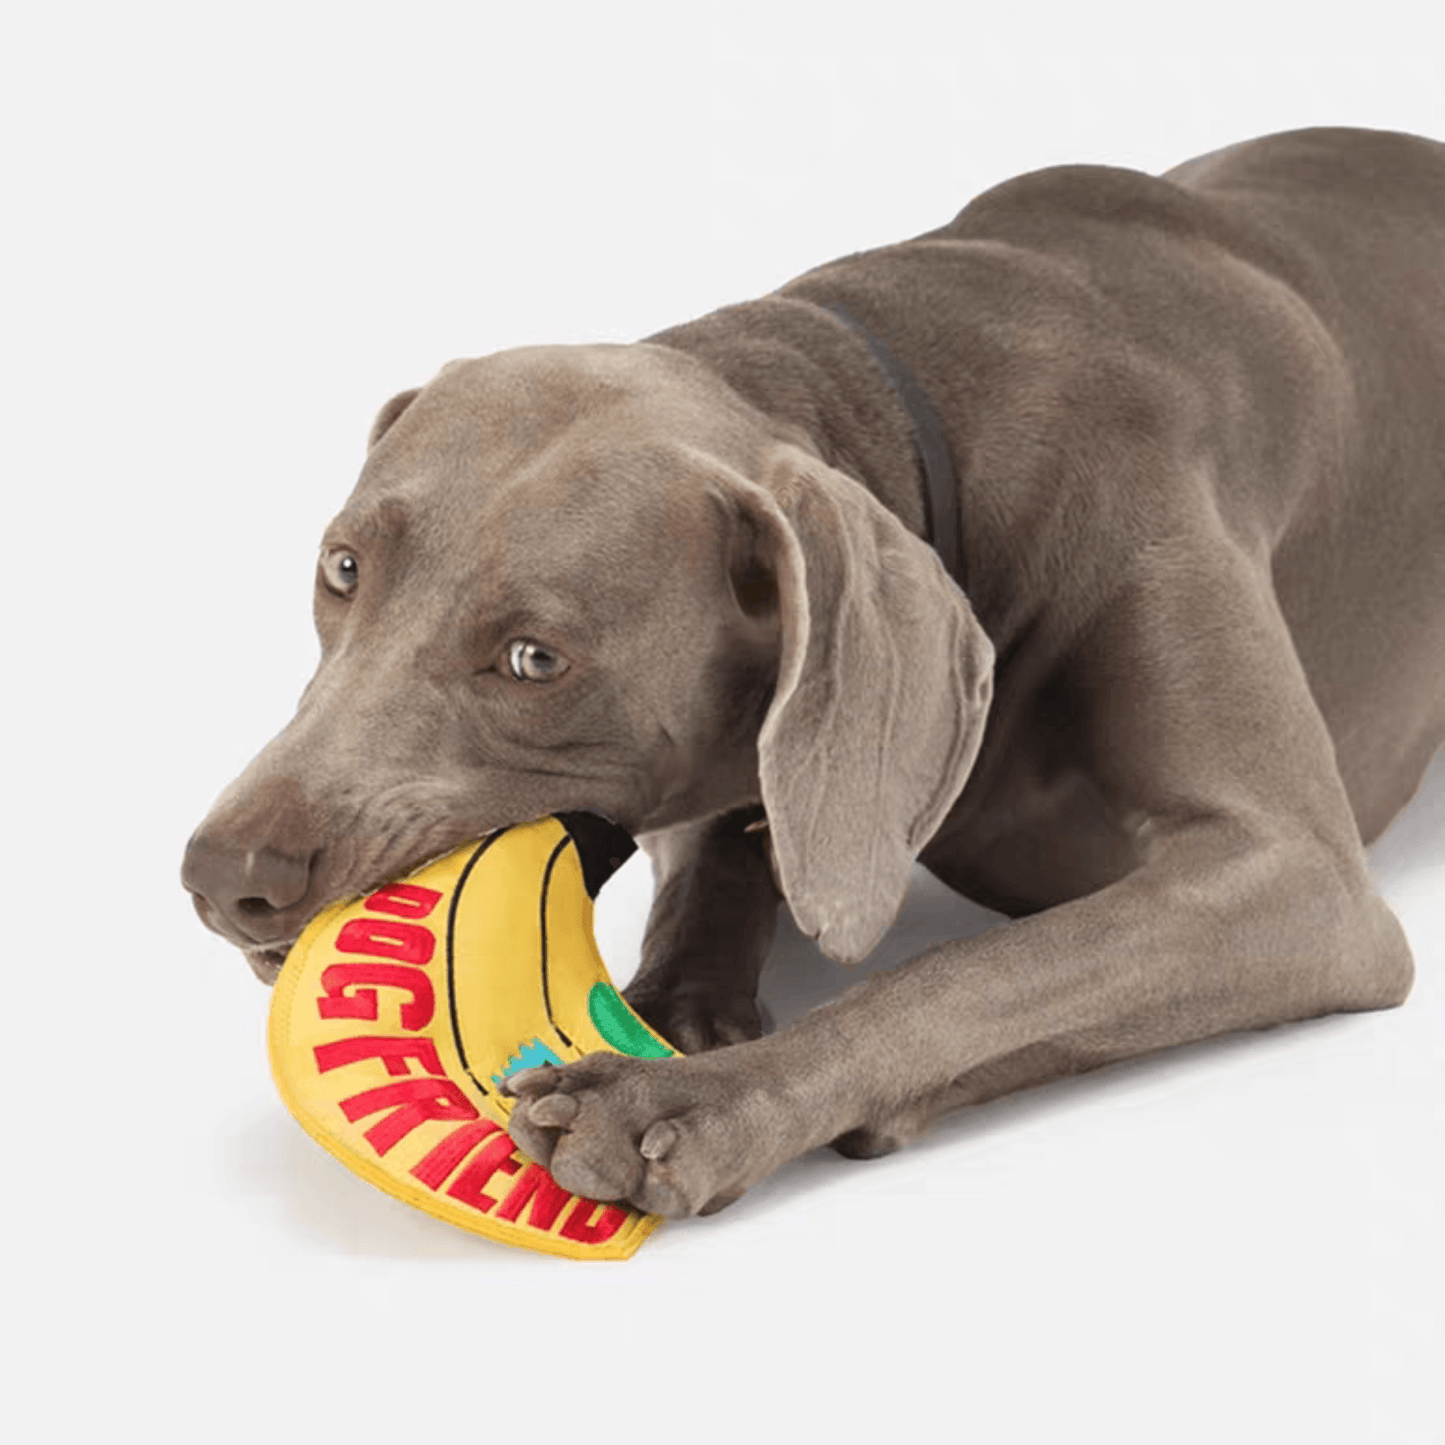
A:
(1061, 203)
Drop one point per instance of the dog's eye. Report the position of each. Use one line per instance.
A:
(339, 571)
(531, 662)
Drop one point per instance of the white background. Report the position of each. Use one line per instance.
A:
(230, 234)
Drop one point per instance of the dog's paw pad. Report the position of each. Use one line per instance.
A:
(672, 1136)
(659, 1140)
(697, 1020)
(554, 1111)
(531, 1083)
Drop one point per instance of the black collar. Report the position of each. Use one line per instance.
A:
(940, 493)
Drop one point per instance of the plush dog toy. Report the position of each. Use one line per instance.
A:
(397, 1015)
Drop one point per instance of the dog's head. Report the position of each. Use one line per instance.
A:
(594, 578)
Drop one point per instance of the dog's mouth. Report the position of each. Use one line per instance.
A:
(601, 843)
(266, 962)
(265, 959)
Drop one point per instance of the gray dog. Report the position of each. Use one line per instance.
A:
(1089, 549)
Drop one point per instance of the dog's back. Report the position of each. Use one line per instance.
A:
(1300, 279)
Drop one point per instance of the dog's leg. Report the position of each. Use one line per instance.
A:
(1253, 907)
(1237, 923)
(711, 926)
(1234, 925)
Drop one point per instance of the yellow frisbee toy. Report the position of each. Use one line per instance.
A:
(397, 1015)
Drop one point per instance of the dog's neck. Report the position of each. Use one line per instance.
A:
(813, 376)
(930, 445)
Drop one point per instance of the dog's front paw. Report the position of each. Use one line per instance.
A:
(672, 1136)
(698, 1017)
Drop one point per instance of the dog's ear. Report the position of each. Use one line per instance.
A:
(387, 416)
(884, 683)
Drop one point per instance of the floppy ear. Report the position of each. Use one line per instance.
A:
(884, 682)
(389, 413)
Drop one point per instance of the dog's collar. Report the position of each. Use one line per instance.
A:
(940, 494)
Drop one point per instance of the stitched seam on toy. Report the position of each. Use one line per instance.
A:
(457, 891)
(546, 986)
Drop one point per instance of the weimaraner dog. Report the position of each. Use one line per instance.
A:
(1089, 549)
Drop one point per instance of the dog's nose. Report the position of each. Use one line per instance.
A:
(250, 888)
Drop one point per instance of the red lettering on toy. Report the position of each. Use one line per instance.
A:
(404, 900)
(335, 1003)
(494, 1157)
(435, 1168)
(413, 1102)
(535, 1186)
(392, 1052)
(577, 1226)
(387, 938)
